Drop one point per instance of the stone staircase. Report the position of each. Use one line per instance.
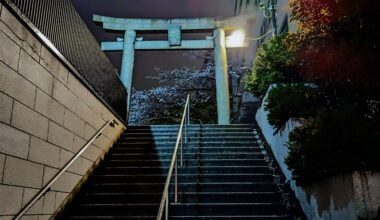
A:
(225, 176)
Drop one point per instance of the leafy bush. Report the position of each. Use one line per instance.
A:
(273, 64)
(336, 40)
(291, 100)
(335, 142)
(335, 48)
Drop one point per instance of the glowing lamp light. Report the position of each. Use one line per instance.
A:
(236, 39)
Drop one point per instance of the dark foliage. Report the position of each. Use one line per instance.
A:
(337, 49)
(291, 100)
(273, 64)
(336, 142)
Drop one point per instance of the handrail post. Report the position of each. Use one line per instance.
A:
(176, 182)
(185, 130)
(167, 206)
(181, 151)
(188, 113)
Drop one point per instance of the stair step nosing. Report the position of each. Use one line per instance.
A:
(184, 167)
(169, 160)
(219, 183)
(179, 216)
(195, 133)
(236, 153)
(190, 137)
(172, 148)
(230, 216)
(189, 193)
(195, 142)
(192, 175)
(227, 203)
(181, 204)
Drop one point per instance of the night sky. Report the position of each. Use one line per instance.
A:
(146, 61)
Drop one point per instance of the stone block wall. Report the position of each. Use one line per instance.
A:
(46, 116)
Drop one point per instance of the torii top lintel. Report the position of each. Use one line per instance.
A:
(111, 23)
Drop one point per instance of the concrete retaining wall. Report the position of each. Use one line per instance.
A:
(346, 197)
(46, 116)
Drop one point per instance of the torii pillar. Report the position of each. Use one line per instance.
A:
(127, 62)
(221, 77)
(173, 27)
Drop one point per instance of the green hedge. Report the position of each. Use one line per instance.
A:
(335, 142)
(273, 64)
(291, 100)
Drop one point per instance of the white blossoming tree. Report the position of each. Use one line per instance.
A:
(164, 104)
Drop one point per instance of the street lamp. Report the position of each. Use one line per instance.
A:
(236, 39)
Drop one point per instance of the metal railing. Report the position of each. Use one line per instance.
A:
(64, 169)
(164, 205)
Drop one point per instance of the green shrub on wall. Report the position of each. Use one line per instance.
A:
(291, 100)
(273, 64)
(335, 142)
(336, 49)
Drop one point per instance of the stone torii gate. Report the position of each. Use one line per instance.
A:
(174, 27)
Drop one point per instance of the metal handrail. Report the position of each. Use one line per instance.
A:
(174, 163)
(59, 174)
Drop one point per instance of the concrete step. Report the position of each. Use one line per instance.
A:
(235, 155)
(186, 149)
(184, 170)
(136, 127)
(192, 209)
(188, 197)
(236, 217)
(190, 140)
(188, 162)
(227, 140)
(116, 209)
(201, 144)
(199, 178)
(185, 187)
(226, 209)
(194, 129)
(190, 133)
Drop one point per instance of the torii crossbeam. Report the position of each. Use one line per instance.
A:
(174, 27)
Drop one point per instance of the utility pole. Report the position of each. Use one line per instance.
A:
(273, 12)
(269, 12)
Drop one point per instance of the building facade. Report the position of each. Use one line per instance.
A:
(261, 26)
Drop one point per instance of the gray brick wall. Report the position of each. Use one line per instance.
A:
(46, 116)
